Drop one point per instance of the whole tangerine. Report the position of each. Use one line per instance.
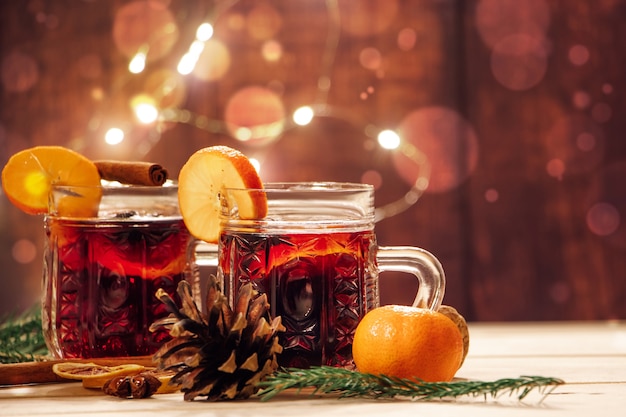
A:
(408, 342)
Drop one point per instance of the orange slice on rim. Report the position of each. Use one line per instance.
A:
(204, 177)
(29, 175)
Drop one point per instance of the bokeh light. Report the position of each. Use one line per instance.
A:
(581, 99)
(407, 38)
(187, 63)
(303, 115)
(324, 83)
(578, 55)
(204, 32)
(606, 205)
(207, 59)
(370, 58)
(448, 141)
(603, 219)
(601, 112)
(498, 19)
(372, 177)
(367, 17)
(368, 92)
(389, 139)
(138, 63)
(235, 21)
(272, 50)
(556, 168)
(263, 22)
(114, 136)
(213, 62)
(607, 88)
(519, 62)
(97, 93)
(578, 142)
(492, 195)
(243, 134)
(146, 113)
(144, 108)
(19, 72)
(585, 141)
(255, 115)
(24, 251)
(145, 25)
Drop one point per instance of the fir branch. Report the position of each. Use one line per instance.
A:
(21, 338)
(346, 383)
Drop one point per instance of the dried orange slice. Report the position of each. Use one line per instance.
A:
(28, 176)
(204, 177)
(93, 375)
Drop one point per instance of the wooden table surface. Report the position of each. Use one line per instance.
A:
(589, 356)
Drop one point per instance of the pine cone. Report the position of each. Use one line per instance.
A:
(224, 354)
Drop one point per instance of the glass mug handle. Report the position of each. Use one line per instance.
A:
(415, 261)
(420, 263)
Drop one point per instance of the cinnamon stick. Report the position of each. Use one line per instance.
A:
(133, 173)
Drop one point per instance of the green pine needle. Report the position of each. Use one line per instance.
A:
(21, 338)
(349, 384)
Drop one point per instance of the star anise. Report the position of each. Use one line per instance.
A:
(142, 385)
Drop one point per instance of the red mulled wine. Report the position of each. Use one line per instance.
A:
(100, 280)
(321, 284)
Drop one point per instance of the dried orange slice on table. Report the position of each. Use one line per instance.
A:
(93, 375)
(204, 177)
(29, 175)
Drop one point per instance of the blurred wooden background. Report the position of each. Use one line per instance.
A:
(518, 106)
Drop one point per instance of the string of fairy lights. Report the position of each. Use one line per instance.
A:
(147, 112)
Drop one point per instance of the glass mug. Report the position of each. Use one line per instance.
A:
(315, 256)
(101, 273)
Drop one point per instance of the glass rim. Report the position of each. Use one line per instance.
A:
(307, 186)
(113, 186)
(304, 207)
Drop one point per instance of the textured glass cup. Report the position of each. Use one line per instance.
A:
(101, 273)
(315, 256)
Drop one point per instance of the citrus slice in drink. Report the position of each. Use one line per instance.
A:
(29, 175)
(202, 180)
